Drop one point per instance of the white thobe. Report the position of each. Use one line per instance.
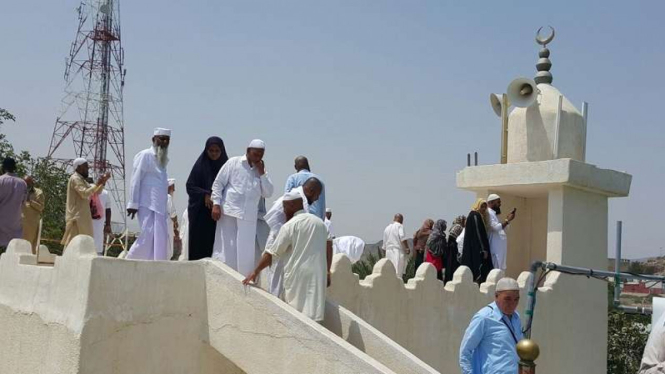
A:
(301, 244)
(653, 360)
(460, 245)
(275, 219)
(498, 241)
(393, 236)
(329, 226)
(172, 214)
(98, 224)
(351, 246)
(237, 189)
(148, 193)
(184, 237)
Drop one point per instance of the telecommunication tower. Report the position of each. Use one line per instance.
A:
(90, 124)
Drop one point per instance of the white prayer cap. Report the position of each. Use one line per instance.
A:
(161, 132)
(507, 284)
(171, 182)
(328, 210)
(78, 162)
(493, 197)
(294, 194)
(257, 143)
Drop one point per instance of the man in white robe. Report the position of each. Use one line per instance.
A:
(653, 360)
(350, 246)
(395, 246)
(172, 220)
(102, 226)
(236, 192)
(148, 197)
(276, 217)
(329, 224)
(496, 232)
(184, 238)
(301, 243)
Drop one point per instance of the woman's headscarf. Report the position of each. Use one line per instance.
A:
(476, 208)
(205, 169)
(458, 226)
(436, 244)
(203, 174)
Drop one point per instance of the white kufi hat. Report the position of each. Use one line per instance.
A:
(294, 194)
(257, 143)
(507, 284)
(78, 162)
(161, 132)
(171, 182)
(493, 197)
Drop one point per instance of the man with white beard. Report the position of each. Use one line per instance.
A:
(148, 197)
(236, 192)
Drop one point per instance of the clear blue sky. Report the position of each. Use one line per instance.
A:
(384, 97)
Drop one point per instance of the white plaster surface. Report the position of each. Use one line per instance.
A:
(531, 130)
(429, 320)
(89, 314)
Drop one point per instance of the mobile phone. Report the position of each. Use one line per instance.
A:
(514, 210)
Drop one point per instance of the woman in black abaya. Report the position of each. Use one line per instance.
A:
(476, 249)
(199, 189)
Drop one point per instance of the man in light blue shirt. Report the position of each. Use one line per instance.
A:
(318, 208)
(488, 346)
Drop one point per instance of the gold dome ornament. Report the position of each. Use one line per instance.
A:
(528, 351)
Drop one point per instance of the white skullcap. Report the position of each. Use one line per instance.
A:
(507, 284)
(161, 132)
(328, 210)
(493, 197)
(257, 143)
(294, 194)
(171, 182)
(78, 162)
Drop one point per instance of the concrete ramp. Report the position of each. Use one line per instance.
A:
(87, 314)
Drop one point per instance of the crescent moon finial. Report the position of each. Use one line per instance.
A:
(547, 40)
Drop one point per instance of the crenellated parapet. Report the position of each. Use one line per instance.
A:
(429, 319)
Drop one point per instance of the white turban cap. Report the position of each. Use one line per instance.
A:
(171, 182)
(257, 143)
(78, 162)
(493, 197)
(328, 210)
(294, 194)
(161, 132)
(507, 284)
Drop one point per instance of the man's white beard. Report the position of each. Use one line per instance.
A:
(162, 156)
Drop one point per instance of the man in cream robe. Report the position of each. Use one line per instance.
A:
(148, 197)
(32, 213)
(395, 246)
(301, 244)
(78, 217)
(102, 225)
(236, 192)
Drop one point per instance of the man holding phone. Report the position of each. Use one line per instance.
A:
(497, 231)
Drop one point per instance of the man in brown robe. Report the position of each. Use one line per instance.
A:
(78, 217)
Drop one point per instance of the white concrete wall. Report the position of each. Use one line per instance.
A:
(88, 314)
(429, 320)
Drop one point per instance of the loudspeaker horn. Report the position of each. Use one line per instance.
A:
(522, 92)
(495, 102)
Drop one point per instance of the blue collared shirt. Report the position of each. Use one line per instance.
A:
(488, 346)
(298, 179)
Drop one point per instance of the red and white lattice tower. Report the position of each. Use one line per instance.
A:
(91, 122)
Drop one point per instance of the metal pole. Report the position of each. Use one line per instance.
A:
(585, 114)
(504, 129)
(468, 159)
(475, 158)
(617, 266)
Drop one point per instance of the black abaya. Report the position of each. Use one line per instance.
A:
(475, 243)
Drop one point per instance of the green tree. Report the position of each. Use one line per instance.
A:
(6, 116)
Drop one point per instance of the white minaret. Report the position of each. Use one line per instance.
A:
(562, 205)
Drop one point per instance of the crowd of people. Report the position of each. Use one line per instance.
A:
(477, 241)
